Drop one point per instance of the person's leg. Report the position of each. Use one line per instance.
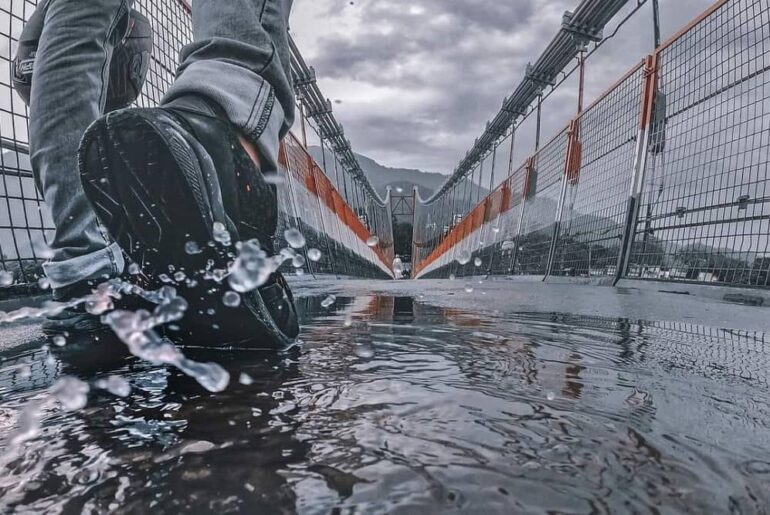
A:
(167, 179)
(240, 60)
(68, 94)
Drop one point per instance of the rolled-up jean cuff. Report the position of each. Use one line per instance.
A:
(246, 99)
(102, 264)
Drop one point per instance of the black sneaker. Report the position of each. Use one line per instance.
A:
(159, 179)
(77, 319)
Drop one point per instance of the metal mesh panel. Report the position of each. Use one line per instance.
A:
(540, 208)
(502, 253)
(24, 221)
(706, 208)
(25, 224)
(597, 199)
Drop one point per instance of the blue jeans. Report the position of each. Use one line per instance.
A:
(240, 60)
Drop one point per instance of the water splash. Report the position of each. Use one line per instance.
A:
(221, 234)
(314, 255)
(373, 241)
(116, 385)
(72, 393)
(6, 278)
(192, 248)
(231, 299)
(464, 257)
(251, 269)
(294, 238)
(137, 331)
(477, 262)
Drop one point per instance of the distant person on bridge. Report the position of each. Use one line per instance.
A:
(147, 185)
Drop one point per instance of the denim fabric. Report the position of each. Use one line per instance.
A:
(68, 94)
(239, 60)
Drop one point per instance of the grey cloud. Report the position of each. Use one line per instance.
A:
(462, 57)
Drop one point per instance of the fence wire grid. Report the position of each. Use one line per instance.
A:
(340, 233)
(691, 133)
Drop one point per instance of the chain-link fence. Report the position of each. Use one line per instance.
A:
(663, 177)
(339, 229)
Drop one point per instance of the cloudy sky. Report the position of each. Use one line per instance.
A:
(414, 81)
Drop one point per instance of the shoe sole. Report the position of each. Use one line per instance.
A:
(145, 184)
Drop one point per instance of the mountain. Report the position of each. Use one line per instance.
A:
(382, 176)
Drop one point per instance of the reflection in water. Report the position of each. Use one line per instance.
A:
(445, 409)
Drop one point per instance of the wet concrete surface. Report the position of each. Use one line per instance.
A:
(416, 397)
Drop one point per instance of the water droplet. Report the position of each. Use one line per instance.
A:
(44, 283)
(134, 269)
(221, 234)
(300, 272)
(41, 249)
(72, 393)
(373, 241)
(464, 257)
(274, 178)
(6, 278)
(231, 299)
(550, 396)
(452, 277)
(469, 288)
(164, 278)
(192, 248)
(252, 268)
(179, 277)
(59, 340)
(508, 245)
(399, 189)
(477, 261)
(294, 238)
(298, 261)
(495, 230)
(245, 379)
(99, 303)
(314, 254)
(348, 321)
(116, 385)
(328, 301)
(364, 351)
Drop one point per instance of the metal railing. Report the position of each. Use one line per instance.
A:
(664, 177)
(337, 224)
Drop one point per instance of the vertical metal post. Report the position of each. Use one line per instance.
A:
(294, 203)
(572, 139)
(338, 222)
(656, 22)
(530, 170)
(496, 223)
(327, 236)
(304, 129)
(640, 165)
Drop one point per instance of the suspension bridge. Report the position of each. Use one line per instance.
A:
(663, 177)
(584, 329)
